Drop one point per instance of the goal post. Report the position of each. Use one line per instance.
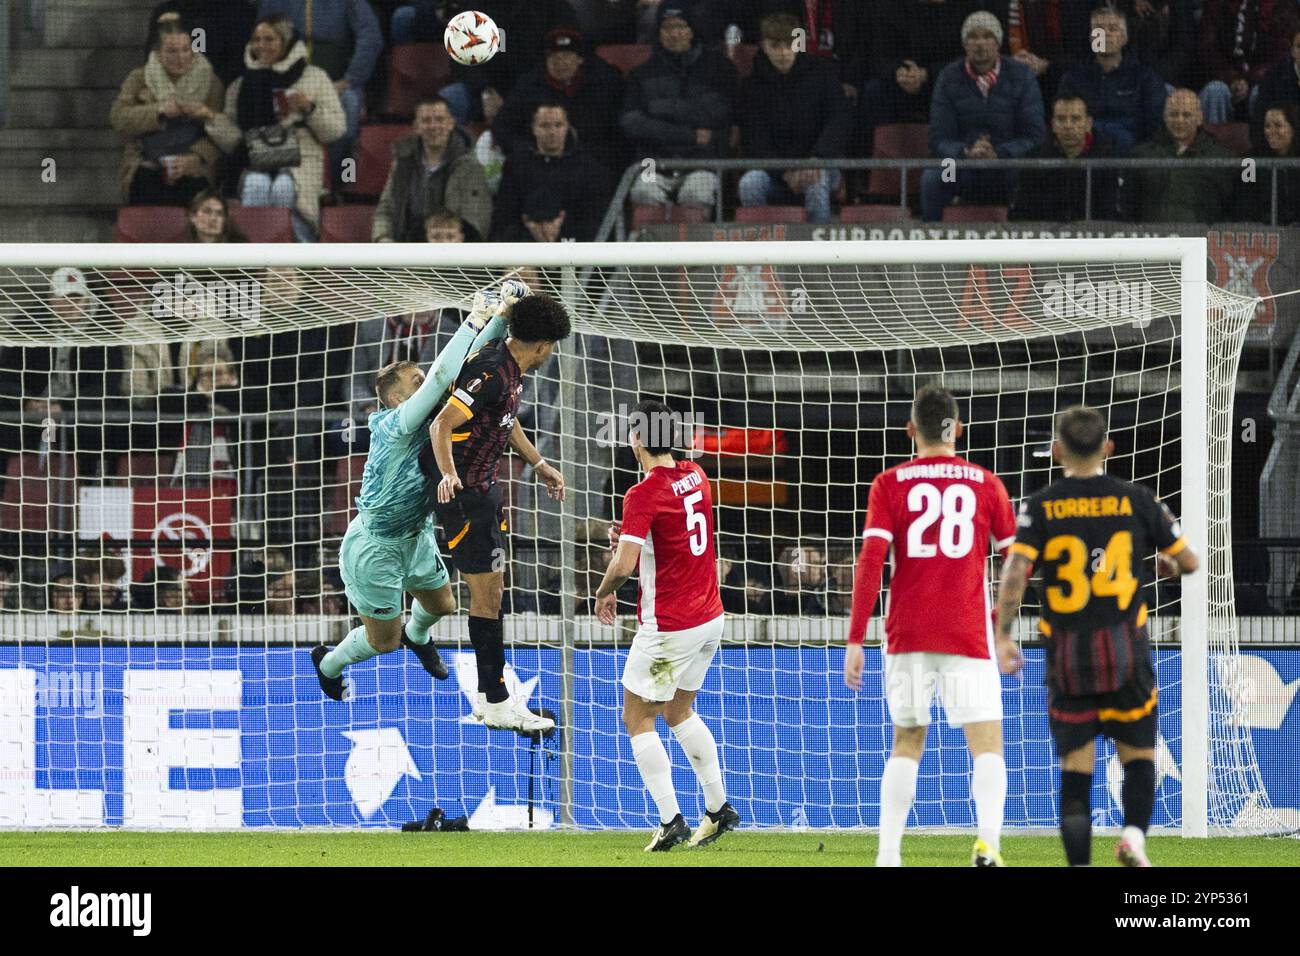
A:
(793, 362)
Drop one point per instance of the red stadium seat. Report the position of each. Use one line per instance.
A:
(152, 224)
(1234, 137)
(968, 213)
(263, 223)
(347, 485)
(766, 214)
(415, 70)
(142, 468)
(346, 223)
(898, 141)
(875, 212)
(626, 56)
(40, 493)
(653, 213)
(375, 157)
(744, 59)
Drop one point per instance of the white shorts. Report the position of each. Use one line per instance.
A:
(664, 662)
(970, 688)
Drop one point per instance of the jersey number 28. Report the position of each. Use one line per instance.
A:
(954, 509)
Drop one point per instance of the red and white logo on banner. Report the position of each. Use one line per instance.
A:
(1242, 261)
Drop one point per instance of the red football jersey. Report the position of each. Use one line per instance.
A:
(670, 514)
(940, 516)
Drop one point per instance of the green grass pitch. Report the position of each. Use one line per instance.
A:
(752, 848)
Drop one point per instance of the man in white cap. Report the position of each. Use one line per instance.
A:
(985, 106)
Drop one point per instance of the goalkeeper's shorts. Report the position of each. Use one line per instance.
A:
(663, 662)
(376, 571)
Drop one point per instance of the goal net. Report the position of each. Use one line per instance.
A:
(183, 429)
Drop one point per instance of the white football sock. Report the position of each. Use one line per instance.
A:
(702, 751)
(351, 650)
(657, 773)
(1135, 837)
(988, 786)
(897, 791)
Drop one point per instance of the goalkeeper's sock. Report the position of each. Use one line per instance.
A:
(988, 785)
(487, 636)
(897, 791)
(696, 739)
(657, 773)
(417, 628)
(351, 650)
(1076, 817)
(1139, 796)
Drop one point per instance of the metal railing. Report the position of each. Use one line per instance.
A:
(613, 225)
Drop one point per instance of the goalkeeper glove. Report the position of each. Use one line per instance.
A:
(486, 304)
(512, 290)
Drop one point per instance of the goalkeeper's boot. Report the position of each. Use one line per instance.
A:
(715, 824)
(985, 855)
(1130, 854)
(669, 834)
(510, 714)
(335, 688)
(429, 657)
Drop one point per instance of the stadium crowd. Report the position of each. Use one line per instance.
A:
(529, 148)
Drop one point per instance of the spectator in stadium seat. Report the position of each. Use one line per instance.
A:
(62, 594)
(1239, 42)
(793, 107)
(589, 89)
(280, 598)
(443, 225)
(835, 32)
(986, 106)
(544, 219)
(731, 578)
(434, 169)
(526, 23)
(552, 161)
(168, 157)
(758, 593)
(1058, 195)
(48, 382)
(1048, 36)
(1185, 195)
(1281, 85)
(1125, 97)
(280, 86)
(208, 446)
(680, 104)
(487, 150)
(839, 591)
(9, 591)
(801, 577)
(210, 220)
(329, 601)
(911, 41)
(97, 582)
(1162, 34)
(1255, 200)
(162, 590)
(344, 40)
(224, 26)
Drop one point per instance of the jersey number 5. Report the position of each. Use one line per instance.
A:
(954, 509)
(695, 524)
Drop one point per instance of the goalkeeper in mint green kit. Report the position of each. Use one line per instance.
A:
(389, 547)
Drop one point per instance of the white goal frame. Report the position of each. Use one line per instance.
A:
(1189, 254)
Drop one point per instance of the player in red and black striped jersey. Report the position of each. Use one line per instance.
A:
(469, 437)
(1090, 535)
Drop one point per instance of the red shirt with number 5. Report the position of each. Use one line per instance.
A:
(670, 514)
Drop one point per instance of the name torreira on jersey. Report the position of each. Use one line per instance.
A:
(670, 514)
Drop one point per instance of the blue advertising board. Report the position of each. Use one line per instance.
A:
(240, 736)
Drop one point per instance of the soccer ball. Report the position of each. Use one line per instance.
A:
(471, 38)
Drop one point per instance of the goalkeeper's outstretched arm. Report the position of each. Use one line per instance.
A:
(415, 411)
